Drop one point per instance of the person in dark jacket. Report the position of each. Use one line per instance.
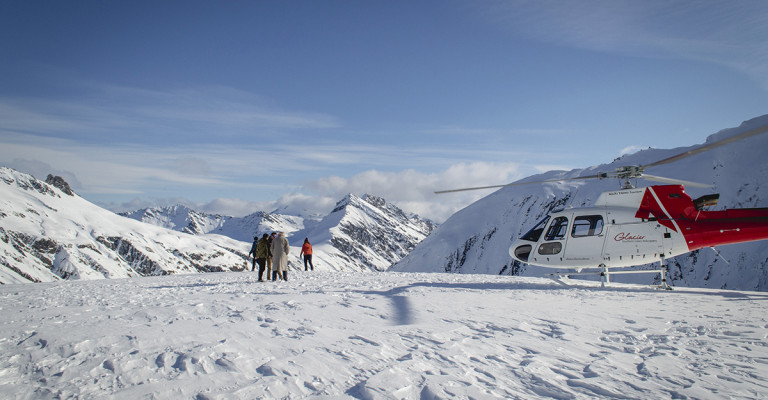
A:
(253, 251)
(261, 255)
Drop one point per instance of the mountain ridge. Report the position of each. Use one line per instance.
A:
(342, 240)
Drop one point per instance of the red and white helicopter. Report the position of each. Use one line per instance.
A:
(635, 226)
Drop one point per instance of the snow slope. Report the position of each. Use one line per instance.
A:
(47, 234)
(378, 336)
(477, 238)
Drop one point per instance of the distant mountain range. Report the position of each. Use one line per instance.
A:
(184, 219)
(476, 239)
(47, 233)
(361, 233)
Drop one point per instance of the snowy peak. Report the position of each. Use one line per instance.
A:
(379, 206)
(179, 218)
(365, 200)
(367, 233)
(23, 181)
(371, 210)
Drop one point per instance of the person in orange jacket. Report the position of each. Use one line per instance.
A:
(306, 250)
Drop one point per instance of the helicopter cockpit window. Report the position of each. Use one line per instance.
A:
(557, 229)
(534, 234)
(587, 225)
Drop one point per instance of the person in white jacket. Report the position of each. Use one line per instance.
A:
(280, 250)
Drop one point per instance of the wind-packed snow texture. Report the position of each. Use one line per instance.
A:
(477, 238)
(378, 336)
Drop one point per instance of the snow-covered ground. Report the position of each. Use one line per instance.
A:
(378, 335)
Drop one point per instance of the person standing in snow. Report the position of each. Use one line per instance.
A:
(261, 255)
(253, 251)
(306, 250)
(280, 251)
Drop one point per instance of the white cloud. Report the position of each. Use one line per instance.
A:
(302, 204)
(630, 150)
(232, 207)
(99, 168)
(413, 191)
(205, 171)
(410, 190)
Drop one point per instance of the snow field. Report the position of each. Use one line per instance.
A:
(377, 336)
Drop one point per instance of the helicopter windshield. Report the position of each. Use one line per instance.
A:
(534, 234)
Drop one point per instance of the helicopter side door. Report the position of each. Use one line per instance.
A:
(551, 250)
(585, 244)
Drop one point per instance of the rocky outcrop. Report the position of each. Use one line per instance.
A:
(60, 183)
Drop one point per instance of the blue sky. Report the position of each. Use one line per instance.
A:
(239, 106)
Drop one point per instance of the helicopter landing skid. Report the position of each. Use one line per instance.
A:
(605, 275)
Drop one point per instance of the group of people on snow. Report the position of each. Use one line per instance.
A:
(271, 252)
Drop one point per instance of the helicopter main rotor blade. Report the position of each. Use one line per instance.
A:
(674, 181)
(521, 183)
(710, 146)
(631, 172)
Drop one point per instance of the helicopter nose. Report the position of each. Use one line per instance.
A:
(520, 251)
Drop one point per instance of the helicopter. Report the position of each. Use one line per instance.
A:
(633, 226)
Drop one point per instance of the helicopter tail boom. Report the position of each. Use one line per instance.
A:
(674, 209)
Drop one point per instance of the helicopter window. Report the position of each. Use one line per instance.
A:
(557, 229)
(534, 234)
(548, 249)
(587, 225)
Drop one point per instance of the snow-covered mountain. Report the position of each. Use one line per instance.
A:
(48, 233)
(361, 233)
(185, 219)
(477, 238)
